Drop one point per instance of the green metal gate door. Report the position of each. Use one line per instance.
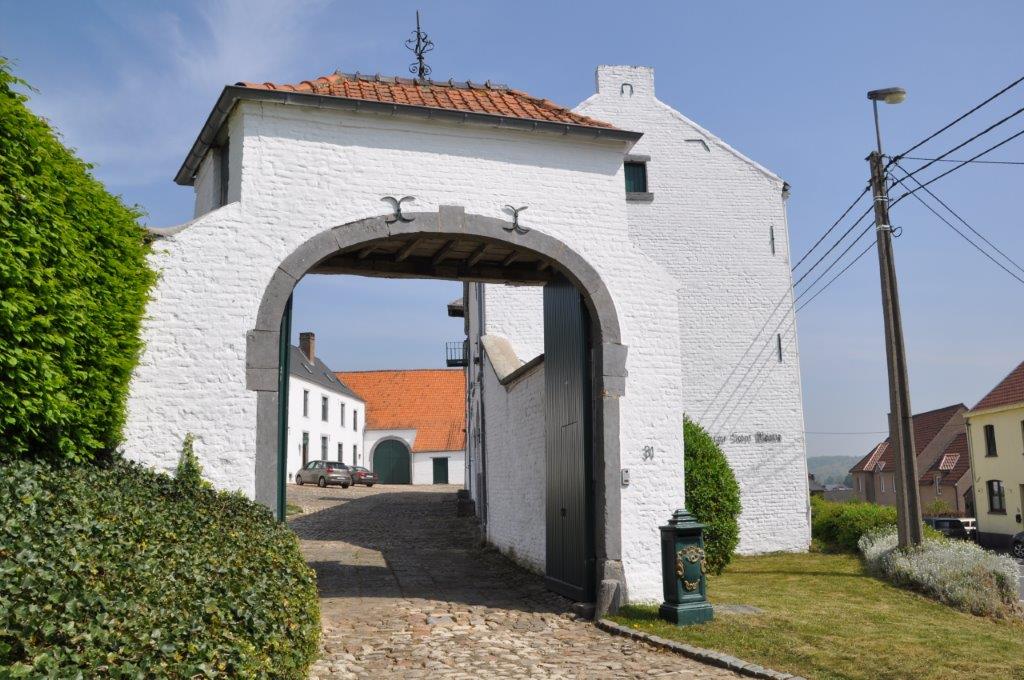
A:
(392, 462)
(440, 470)
(567, 444)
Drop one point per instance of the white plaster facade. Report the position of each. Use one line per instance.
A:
(297, 171)
(715, 227)
(334, 433)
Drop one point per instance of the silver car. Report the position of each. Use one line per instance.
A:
(323, 473)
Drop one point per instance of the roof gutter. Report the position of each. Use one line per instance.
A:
(232, 94)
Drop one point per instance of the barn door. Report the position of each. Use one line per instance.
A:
(567, 443)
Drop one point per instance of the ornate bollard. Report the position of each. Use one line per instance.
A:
(682, 571)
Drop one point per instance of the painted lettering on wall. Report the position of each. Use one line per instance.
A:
(754, 438)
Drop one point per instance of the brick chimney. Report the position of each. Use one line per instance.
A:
(307, 344)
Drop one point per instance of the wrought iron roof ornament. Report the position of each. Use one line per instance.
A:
(420, 44)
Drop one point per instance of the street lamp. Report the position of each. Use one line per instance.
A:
(901, 428)
(889, 95)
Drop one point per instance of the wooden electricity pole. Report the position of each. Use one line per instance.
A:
(901, 428)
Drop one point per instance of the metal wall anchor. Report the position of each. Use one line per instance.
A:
(396, 205)
(515, 220)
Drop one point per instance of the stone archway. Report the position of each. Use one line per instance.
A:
(533, 256)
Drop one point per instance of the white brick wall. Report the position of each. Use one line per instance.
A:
(423, 466)
(515, 465)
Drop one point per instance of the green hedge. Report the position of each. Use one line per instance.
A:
(712, 494)
(837, 527)
(74, 284)
(117, 571)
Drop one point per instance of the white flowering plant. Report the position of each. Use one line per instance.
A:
(957, 573)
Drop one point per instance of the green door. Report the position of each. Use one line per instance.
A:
(391, 462)
(440, 470)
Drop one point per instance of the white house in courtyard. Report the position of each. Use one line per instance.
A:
(670, 298)
(325, 417)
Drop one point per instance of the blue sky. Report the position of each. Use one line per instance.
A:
(129, 84)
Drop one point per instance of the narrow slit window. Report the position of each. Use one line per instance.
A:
(771, 237)
(778, 346)
(990, 440)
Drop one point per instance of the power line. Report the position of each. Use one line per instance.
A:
(834, 245)
(834, 262)
(967, 141)
(957, 120)
(952, 160)
(962, 235)
(841, 272)
(962, 220)
(834, 224)
(849, 433)
(953, 169)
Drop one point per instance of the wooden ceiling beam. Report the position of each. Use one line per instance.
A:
(444, 252)
(477, 255)
(407, 249)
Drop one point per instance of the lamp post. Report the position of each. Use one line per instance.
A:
(901, 429)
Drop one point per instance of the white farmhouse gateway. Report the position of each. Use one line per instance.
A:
(671, 298)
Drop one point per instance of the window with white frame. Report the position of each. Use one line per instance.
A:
(324, 405)
(305, 403)
(324, 443)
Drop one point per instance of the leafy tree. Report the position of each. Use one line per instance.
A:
(73, 288)
(712, 494)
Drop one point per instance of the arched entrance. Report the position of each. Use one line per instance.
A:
(392, 461)
(450, 244)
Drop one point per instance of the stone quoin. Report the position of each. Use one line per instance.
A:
(676, 279)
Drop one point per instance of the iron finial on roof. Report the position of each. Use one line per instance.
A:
(420, 44)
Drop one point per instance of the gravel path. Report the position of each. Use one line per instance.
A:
(406, 591)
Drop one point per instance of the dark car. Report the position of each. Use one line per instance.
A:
(1017, 547)
(361, 475)
(953, 527)
(323, 473)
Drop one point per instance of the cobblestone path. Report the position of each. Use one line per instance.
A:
(406, 592)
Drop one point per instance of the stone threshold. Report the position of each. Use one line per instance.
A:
(708, 656)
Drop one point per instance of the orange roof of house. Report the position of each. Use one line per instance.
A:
(926, 427)
(1009, 391)
(952, 465)
(430, 401)
(487, 98)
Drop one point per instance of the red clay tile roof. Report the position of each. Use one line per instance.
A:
(1009, 391)
(486, 98)
(430, 401)
(926, 426)
(953, 463)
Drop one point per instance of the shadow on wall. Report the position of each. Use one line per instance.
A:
(425, 552)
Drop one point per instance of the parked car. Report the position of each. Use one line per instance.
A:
(361, 475)
(953, 527)
(1017, 547)
(323, 473)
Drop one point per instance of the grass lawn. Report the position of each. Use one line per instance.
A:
(825, 617)
(292, 509)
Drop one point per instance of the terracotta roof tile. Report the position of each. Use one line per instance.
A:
(430, 401)
(486, 98)
(926, 427)
(1009, 391)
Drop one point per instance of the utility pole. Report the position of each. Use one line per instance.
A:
(901, 428)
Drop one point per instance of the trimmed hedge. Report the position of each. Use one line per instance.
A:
(712, 495)
(117, 571)
(837, 527)
(74, 284)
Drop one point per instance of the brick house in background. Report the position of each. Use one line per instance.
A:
(936, 434)
(415, 424)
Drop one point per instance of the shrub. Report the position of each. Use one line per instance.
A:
(190, 473)
(119, 571)
(836, 527)
(956, 573)
(938, 508)
(712, 495)
(75, 283)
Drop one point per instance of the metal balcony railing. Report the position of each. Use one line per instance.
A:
(456, 353)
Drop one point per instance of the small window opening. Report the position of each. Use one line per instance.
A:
(222, 179)
(771, 237)
(778, 346)
(636, 177)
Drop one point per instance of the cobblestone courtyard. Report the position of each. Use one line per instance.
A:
(406, 592)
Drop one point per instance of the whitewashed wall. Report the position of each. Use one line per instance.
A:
(298, 171)
(515, 464)
(333, 428)
(423, 466)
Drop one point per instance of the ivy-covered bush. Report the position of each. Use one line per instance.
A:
(712, 495)
(113, 570)
(957, 573)
(73, 288)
